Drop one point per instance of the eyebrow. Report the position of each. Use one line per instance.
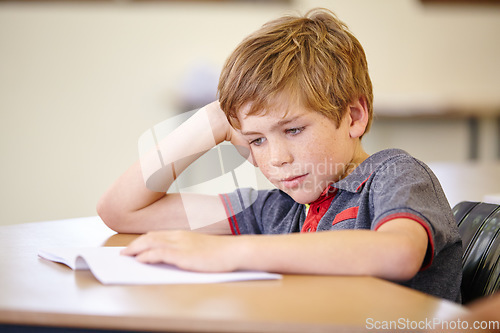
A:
(279, 124)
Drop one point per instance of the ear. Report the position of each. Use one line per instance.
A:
(358, 112)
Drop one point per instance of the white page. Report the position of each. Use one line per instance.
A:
(109, 267)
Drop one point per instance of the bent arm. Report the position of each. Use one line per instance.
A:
(395, 251)
(130, 206)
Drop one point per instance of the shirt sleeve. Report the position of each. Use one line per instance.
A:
(406, 188)
(252, 211)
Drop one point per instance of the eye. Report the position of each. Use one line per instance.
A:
(257, 142)
(294, 131)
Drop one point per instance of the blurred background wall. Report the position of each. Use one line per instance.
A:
(81, 81)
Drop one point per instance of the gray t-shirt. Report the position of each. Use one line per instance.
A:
(389, 184)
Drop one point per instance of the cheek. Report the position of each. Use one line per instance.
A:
(261, 161)
(320, 160)
(258, 158)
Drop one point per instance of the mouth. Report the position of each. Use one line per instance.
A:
(293, 181)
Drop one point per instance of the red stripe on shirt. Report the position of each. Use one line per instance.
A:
(231, 217)
(362, 183)
(349, 213)
(419, 220)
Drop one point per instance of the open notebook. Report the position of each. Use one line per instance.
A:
(109, 267)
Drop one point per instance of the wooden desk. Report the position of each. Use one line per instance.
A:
(37, 292)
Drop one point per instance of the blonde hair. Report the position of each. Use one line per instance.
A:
(314, 58)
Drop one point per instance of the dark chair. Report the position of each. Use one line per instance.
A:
(479, 226)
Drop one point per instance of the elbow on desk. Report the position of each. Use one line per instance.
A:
(404, 271)
(111, 215)
(404, 265)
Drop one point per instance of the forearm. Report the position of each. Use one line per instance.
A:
(345, 252)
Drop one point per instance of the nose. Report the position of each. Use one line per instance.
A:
(280, 154)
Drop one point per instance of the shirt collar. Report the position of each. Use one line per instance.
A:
(355, 181)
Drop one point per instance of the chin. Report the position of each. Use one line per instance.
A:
(303, 198)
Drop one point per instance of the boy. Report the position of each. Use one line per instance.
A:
(297, 95)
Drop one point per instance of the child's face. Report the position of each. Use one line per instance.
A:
(299, 151)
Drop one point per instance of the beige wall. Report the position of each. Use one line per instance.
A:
(79, 83)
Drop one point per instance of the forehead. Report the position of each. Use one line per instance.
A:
(271, 115)
(279, 106)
